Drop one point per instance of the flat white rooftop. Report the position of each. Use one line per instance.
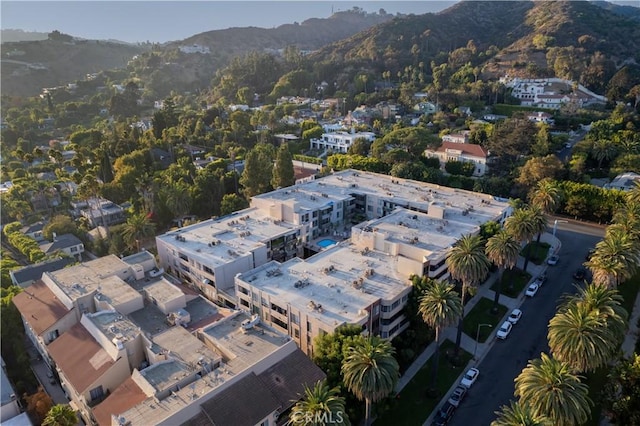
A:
(114, 325)
(84, 278)
(185, 346)
(241, 350)
(335, 285)
(403, 192)
(432, 235)
(162, 291)
(219, 241)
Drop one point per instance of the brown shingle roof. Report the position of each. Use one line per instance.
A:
(80, 357)
(287, 378)
(125, 396)
(39, 306)
(246, 402)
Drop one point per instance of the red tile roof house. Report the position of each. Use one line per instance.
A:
(464, 152)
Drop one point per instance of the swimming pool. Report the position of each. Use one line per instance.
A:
(326, 242)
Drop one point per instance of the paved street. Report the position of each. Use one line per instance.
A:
(506, 359)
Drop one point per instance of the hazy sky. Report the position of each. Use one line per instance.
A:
(161, 21)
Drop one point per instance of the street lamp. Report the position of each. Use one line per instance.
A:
(478, 337)
(555, 225)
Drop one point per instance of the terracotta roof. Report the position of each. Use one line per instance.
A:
(301, 173)
(39, 306)
(80, 357)
(124, 397)
(466, 148)
(246, 402)
(287, 378)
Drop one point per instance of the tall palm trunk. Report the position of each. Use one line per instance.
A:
(459, 333)
(367, 413)
(527, 255)
(436, 360)
(496, 297)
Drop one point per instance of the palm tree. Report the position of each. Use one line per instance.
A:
(550, 388)
(60, 415)
(546, 195)
(538, 221)
(603, 149)
(633, 196)
(440, 306)
(521, 226)
(580, 337)
(615, 258)
(370, 371)
(89, 190)
(503, 250)
(468, 263)
(607, 303)
(517, 414)
(178, 198)
(137, 227)
(320, 406)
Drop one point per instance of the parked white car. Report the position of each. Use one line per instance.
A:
(515, 316)
(504, 330)
(553, 260)
(470, 377)
(532, 290)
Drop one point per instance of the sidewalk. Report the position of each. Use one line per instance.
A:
(633, 332)
(468, 343)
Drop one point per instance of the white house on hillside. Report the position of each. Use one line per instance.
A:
(340, 141)
(464, 152)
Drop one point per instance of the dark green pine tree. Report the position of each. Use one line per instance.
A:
(283, 174)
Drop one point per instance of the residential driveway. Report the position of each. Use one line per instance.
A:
(528, 338)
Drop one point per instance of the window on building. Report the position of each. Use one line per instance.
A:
(74, 249)
(244, 303)
(296, 333)
(53, 335)
(308, 327)
(97, 393)
(376, 310)
(295, 319)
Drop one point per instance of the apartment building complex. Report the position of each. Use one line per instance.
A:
(131, 347)
(362, 281)
(331, 251)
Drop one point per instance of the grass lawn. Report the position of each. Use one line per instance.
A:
(481, 314)
(413, 406)
(539, 252)
(516, 277)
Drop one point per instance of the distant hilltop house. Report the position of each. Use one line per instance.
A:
(551, 93)
(541, 117)
(463, 152)
(195, 48)
(462, 137)
(103, 212)
(340, 141)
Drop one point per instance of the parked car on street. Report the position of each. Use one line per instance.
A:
(470, 377)
(532, 290)
(579, 274)
(541, 279)
(51, 378)
(504, 330)
(553, 260)
(444, 414)
(514, 316)
(457, 395)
